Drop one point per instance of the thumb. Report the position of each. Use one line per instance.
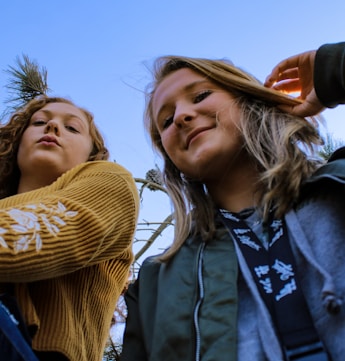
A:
(305, 109)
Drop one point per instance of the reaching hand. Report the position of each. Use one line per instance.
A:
(296, 74)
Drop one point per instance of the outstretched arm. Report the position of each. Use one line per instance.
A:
(318, 77)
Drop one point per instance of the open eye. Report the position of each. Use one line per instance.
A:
(201, 96)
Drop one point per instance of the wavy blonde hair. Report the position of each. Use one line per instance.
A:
(11, 135)
(281, 146)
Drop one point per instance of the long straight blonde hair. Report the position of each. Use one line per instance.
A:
(281, 145)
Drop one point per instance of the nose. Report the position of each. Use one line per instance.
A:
(183, 114)
(53, 127)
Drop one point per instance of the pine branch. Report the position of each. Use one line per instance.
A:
(27, 80)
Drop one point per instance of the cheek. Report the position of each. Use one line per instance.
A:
(165, 142)
(78, 150)
(86, 143)
(88, 148)
(170, 138)
(19, 157)
(169, 146)
(22, 148)
(230, 121)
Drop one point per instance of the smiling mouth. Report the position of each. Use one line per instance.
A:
(195, 134)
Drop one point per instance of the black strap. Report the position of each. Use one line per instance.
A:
(274, 273)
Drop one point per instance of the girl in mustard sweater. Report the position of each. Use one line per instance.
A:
(66, 225)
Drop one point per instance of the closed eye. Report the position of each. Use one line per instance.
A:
(38, 122)
(201, 96)
(166, 122)
(72, 129)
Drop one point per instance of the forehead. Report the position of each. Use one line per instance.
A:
(173, 84)
(65, 110)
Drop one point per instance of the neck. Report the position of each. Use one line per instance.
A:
(235, 193)
(27, 184)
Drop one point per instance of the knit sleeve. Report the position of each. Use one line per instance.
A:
(87, 216)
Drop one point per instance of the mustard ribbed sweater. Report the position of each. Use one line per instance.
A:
(67, 249)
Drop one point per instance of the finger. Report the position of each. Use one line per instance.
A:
(287, 74)
(289, 63)
(304, 109)
(291, 73)
(297, 110)
(288, 86)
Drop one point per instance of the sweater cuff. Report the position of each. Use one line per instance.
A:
(329, 74)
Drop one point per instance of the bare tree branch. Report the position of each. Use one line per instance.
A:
(166, 223)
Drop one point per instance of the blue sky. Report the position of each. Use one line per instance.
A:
(97, 52)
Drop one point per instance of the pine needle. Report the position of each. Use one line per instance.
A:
(27, 80)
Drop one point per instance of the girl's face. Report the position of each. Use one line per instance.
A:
(199, 125)
(56, 140)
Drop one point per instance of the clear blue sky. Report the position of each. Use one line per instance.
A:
(95, 51)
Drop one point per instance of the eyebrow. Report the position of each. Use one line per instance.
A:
(186, 88)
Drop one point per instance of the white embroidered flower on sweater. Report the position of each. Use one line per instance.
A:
(28, 224)
(2, 241)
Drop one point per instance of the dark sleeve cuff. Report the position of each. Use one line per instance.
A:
(329, 74)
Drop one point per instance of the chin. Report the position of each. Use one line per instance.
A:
(197, 176)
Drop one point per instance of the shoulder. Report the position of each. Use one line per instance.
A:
(150, 268)
(99, 166)
(328, 178)
(96, 173)
(333, 170)
(145, 285)
(98, 181)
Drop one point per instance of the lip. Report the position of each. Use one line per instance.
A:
(194, 133)
(48, 139)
